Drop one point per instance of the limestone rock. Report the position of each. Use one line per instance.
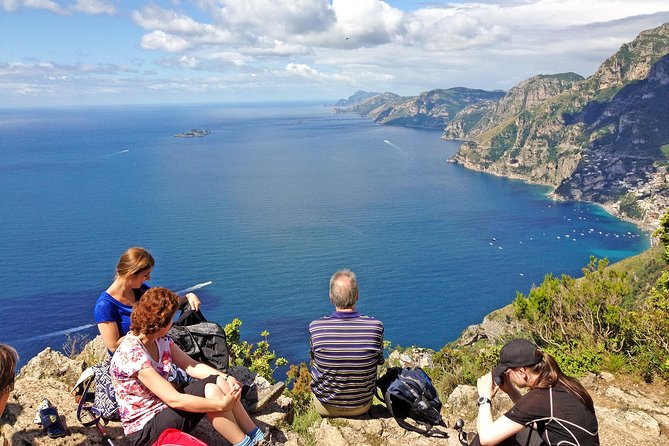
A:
(51, 375)
(629, 414)
(93, 352)
(52, 364)
(412, 357)
(633, 398)
(635, 426)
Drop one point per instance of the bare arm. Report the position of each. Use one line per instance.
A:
(192, 300)
(191, 403)
(493, 432)
(110, 335)
(197, 369)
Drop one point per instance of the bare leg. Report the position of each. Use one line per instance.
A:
(241, 416)
(224, 422)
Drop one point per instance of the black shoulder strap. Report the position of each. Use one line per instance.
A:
(401, 421)
(82, 407)
(190, 317)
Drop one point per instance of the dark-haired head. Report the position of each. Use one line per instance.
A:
(8, 359)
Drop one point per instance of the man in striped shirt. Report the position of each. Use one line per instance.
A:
(346, 348)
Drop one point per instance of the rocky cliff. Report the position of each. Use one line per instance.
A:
(602, 139)
(431, 109)
(474, 121)
(629, 413)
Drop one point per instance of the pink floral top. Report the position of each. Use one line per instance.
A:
(137, 404)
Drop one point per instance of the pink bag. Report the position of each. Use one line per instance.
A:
(175, 437)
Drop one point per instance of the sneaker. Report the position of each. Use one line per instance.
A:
(267, 440)
(258, 399)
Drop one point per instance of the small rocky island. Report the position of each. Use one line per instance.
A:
(193, 133)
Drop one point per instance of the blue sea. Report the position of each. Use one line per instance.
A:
(267, 207)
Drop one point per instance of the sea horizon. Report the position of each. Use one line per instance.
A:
(267, 207)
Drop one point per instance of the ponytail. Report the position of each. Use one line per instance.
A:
(133, 261)
(549, 374)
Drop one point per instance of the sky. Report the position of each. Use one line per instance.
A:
(103, 52)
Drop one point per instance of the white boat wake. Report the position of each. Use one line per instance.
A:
(106, 156)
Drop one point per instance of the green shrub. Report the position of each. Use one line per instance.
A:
(257, 358)
(305, 414)
(577, 359)
(602, 320)
(453, 366)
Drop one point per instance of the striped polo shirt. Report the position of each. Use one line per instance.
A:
(346, 348)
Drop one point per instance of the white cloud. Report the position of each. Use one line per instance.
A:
(189, 32)
(370, 22)
(48, 5)
(189, 62)
(276, 48)
(160, 40)
(303, 70)
(307, 73)
(332, 45)
(275, 18)
(88, 7)
(94, 7)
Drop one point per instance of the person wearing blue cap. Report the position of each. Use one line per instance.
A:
(555, 410)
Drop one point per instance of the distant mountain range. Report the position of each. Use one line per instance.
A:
(431, 109)
(603, 139)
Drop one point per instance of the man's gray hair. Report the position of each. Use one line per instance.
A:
(344, 289)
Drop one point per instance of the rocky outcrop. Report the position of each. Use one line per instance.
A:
(628, 412)
(431, 109)
(624, 153)
(603, 139)
(356, 98)
(365, 105)
(51, 375)
(473, 121)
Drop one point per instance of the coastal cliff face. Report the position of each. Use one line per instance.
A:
(474, 121)
(431, 109)
(602, 139)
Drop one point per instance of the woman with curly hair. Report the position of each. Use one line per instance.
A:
(149, 403)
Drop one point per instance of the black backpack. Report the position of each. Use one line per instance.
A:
(200, 339)
(408, 392)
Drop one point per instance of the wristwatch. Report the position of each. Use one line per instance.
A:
(483, 400)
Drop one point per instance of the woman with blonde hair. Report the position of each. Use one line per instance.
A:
(556, 409)
(115, 304)
(149, 404)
